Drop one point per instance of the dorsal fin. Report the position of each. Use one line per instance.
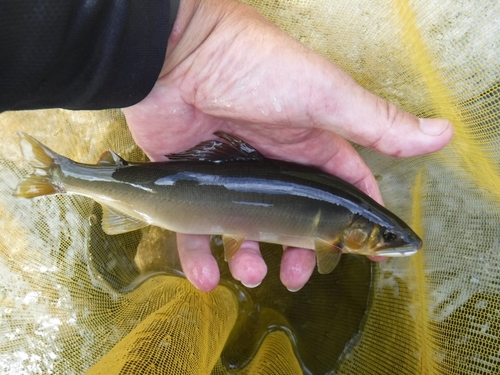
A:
(111, 158)
(233, 149)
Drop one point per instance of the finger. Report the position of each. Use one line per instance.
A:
(364, 118)
(198, 264)
(377, 258)
(247, 265)
(331, 153)
(346, 163)
(297, 266)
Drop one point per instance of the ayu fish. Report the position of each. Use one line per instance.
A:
(226, 187)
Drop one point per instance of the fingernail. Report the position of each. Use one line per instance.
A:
(294, 290)
(251, 285)
(433, 127)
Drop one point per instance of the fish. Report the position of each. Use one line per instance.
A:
(226, 187)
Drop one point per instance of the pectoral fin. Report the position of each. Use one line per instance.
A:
(327, 255)
(231, 245)
(114, 222)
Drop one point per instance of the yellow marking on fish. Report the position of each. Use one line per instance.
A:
(355, 240)
(316, 220)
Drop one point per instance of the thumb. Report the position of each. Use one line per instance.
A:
(371, 121)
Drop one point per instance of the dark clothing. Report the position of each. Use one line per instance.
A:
(81, 54)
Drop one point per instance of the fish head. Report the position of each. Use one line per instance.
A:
(368, 238)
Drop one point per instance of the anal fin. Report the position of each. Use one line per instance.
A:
(114, 222)
(231, 245)
(327, 255)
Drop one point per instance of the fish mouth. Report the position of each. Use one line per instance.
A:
(402, 247)
(402, 251)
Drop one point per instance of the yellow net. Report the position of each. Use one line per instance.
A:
(74, 300)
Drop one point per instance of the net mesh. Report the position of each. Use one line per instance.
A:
(74, 300)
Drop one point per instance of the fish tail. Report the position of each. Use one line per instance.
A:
(42, 159)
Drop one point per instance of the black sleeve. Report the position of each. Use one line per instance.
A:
(81, 54)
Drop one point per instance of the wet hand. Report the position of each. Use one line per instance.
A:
(227, 68)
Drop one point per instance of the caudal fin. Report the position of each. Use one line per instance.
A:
(42, 159)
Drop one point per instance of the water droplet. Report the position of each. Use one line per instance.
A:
(218, 102)
(181, 110)
(277, 105)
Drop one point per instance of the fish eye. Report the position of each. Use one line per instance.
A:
(389, 236)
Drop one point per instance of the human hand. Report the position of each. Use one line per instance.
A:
(229, 69)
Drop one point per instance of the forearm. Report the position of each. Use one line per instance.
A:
(80, 54)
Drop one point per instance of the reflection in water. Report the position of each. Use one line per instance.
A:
(111, 258)
(120, 263)
(322, 321)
